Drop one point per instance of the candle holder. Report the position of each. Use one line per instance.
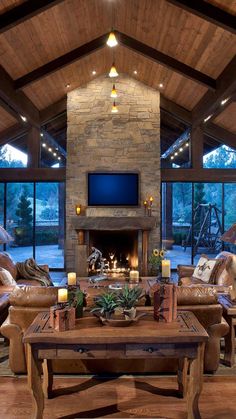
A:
(150, 202)
(145, 203)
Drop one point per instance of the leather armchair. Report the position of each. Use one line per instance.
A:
(224, 277)
(27, 302)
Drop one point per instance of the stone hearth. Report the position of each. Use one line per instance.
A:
(100, 141)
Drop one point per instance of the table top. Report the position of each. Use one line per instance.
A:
(89, 330)
(228, 305)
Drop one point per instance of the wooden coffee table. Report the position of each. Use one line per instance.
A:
(229, 313)
(184, 339)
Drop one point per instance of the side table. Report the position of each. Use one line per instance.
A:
(229, 313)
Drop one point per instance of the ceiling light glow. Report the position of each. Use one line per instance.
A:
(112, 41)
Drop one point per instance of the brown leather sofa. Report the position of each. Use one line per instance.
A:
(224, 276)
(7, 263)
(27, 302)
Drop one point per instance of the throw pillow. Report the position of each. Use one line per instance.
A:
(205, 269)
(6, 277)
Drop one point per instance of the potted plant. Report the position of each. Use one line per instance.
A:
(106, 305)
(76, 299)
(127, 300)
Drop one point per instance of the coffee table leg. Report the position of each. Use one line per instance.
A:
(195, 383)
(182, 376)
(230, 343)
(34, 382)
(47, 378)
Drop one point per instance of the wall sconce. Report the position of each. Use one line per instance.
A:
(150, 202)
(78, 209)
(145, 203)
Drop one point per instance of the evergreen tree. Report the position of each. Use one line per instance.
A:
(199, 194)
(24, 233)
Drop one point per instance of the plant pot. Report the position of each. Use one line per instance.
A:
(130, 313)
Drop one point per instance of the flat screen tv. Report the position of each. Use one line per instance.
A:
(113, 189)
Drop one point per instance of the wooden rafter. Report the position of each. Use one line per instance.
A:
(173, 108)
(24, 11)
(12, 133)
(52, 111)
(126, 41)
(167, 61)
(18, 101)
(211, 101)
(62, 61)
(220, 134)
(209, 12)
(33, 174)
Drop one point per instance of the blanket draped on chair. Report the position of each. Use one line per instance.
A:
(30, 270)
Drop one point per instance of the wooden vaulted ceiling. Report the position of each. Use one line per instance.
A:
(162, 40)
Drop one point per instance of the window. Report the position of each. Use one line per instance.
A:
(34, 216)
(12, 157)
(219, 157)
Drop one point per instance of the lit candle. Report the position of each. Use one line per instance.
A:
(71, 278)
(62, 295)
(165, 268)
(78, 209)
(151, 200)
(134, 276)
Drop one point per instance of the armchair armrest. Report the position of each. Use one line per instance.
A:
(185, 270)
(212, 350)
(14, 333)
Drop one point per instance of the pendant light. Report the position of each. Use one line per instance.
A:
(112, 41)
(114, 92)
(113, 71)
(114, 108)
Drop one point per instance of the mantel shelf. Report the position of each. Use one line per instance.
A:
(114, 223)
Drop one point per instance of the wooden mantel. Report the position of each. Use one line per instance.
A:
(114, 223)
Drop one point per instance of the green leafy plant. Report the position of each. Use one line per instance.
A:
(129, 297)
(76, 299)
(106, 304)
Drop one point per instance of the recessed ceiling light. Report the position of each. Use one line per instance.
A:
(135, 72)
(172, 157)
(67, 85)
(44, 145)
(161, 85)
(181, 149)
(94, 72)
(49, 149)
(54, 154)
(24, 119)
(58, 158)
(176, 154)
(187, 144)
(41, 134)
(224, 101)
(207, 118)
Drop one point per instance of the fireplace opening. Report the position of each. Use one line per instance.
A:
(119, 249)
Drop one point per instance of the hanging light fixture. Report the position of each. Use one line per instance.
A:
(113, 71)
(114, 92)
(112, 41)
(114, 108)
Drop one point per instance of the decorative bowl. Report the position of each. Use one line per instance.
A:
(120, 321)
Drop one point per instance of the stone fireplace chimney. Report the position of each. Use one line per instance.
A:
(98, 140)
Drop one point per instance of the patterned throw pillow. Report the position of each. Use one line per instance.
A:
(6, 277)
(205, 269)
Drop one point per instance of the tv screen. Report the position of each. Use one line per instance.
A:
(113, 189)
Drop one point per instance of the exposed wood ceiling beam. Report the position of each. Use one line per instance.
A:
(220, 134)
(53, 111)
(211, 101)
(213, 130)
(165, 60)
(53, 143)
(12, 134)
(24, 11)
(209, 12)
(181, 140)
(62, 61)
(18, 101)
(33, 174)
(198, 175)
(178, 111)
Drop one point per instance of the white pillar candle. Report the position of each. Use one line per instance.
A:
(134, 276)
(71, 278)
(165, 268)
(62, 295)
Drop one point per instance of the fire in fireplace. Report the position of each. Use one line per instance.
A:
(119, 249)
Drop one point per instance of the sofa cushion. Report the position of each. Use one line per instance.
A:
(6, 277)
(7, 263)
(28, 296)
(205, 269)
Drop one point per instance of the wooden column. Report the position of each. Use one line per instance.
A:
(81, 267)
(145, 253)
(33, 147)
(197, 147)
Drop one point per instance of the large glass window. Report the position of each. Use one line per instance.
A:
(218, 156)
(49, 224)
(194, 217)
(177, 221)
(12, 157)
(33, 214)
(19, 219)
